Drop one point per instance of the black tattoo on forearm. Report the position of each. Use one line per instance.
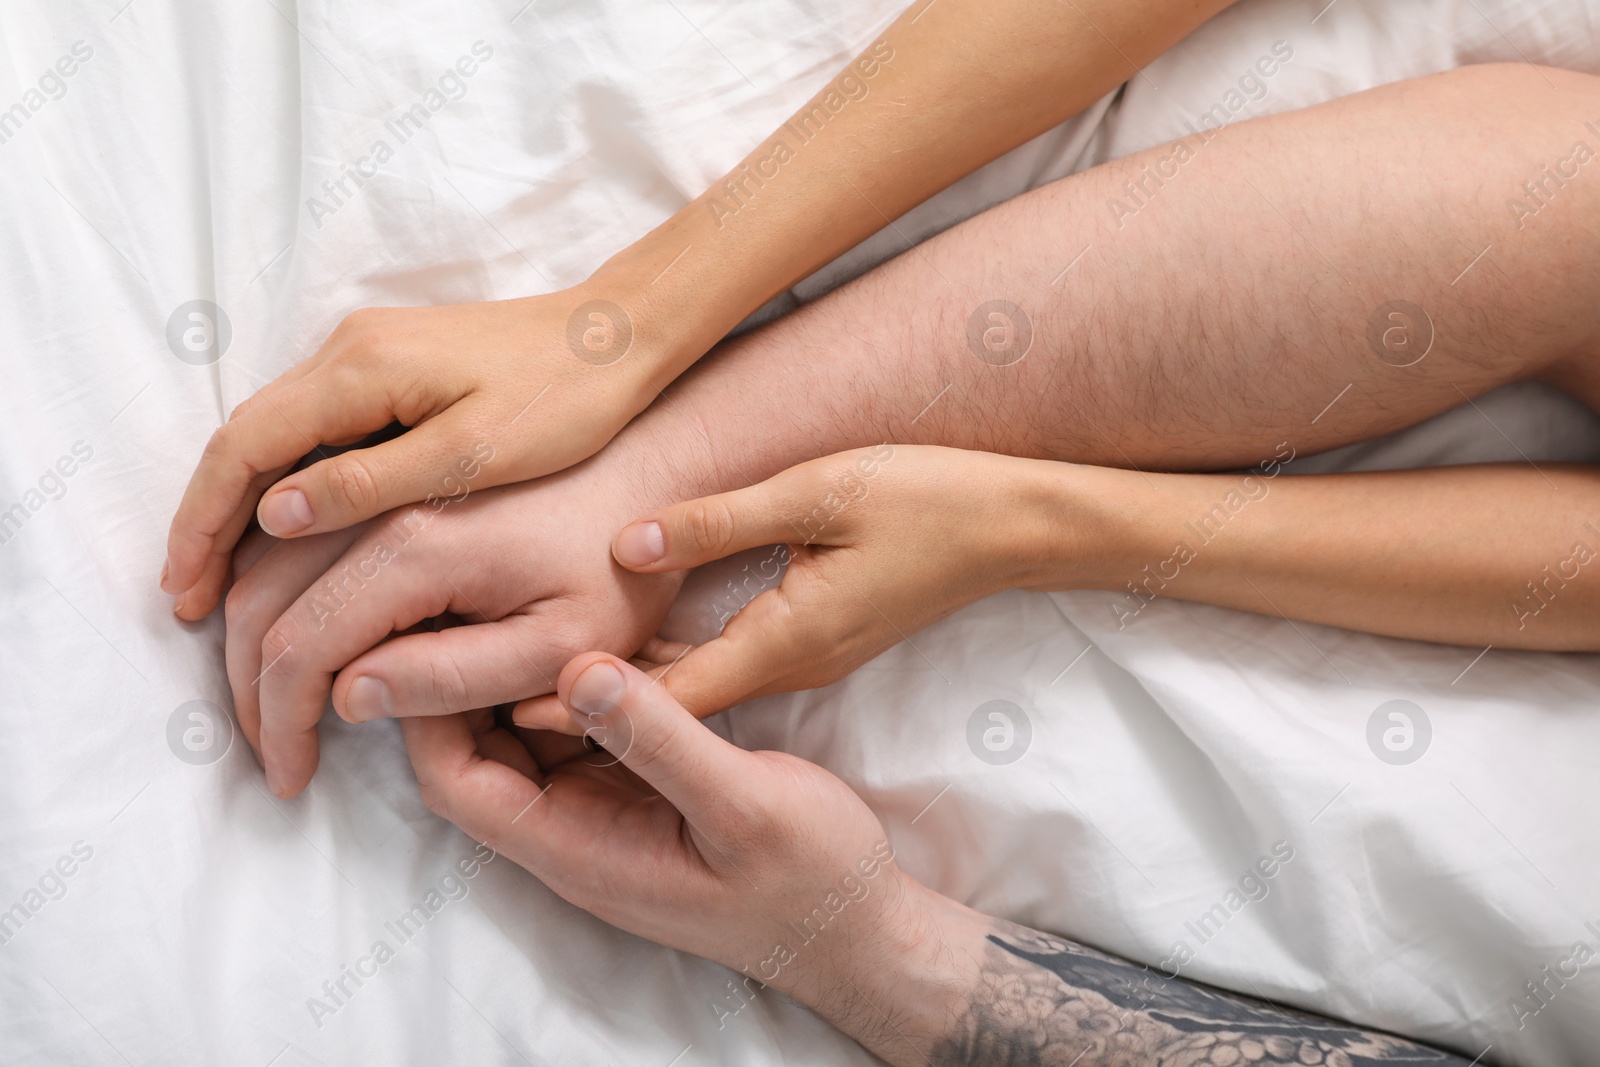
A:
(1047, 1002)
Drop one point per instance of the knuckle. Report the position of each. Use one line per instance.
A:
(434, 799)
(277, 644)
(419, 389)
(648, 745)
(827, 497)
(240, 604)
(710, 525)
(221, 444)
(361, 333)
(360, 321)
(351, 485)
(447, 682)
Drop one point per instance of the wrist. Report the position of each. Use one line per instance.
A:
(681, 299)
(657, 343)
(1079, 526)
(918, 969)
(664, 456)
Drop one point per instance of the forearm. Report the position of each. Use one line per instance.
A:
(1474, 555)
(1014, 995)
(921, 107)
(1210, 328)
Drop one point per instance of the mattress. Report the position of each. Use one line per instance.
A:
(157, 905)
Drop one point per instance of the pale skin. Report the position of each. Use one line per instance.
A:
(891, 134)
(1203, 333)
(774, 868)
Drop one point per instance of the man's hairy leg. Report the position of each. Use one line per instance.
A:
(1267, 290)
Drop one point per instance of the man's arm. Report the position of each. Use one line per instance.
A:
(1302, 277)
(1027, 997)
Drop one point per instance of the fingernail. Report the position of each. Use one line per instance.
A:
(177, 604)
(640, 544)
(541, 718)
(370, 699)
(597, 691)
(166, 568)
(529, 715)
(285, 512)
(274, 780)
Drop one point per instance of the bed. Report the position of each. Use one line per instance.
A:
(1425, 806)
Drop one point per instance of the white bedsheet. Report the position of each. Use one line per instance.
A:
(200, 916)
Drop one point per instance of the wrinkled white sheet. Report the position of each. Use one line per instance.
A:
(175, 913)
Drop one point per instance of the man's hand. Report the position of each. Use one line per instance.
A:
(528, 565)
(758, 860)
(773, 867)
(506, 391)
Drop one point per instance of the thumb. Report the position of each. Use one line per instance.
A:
(779, 510)
(753, 656)
(641, 726)
(433, 461)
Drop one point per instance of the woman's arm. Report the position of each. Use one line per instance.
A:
(880, 542)
(1474, 555)
(950, 86)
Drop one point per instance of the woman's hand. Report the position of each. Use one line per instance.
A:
(880, 542)
(883, 541)
(758, 860)
(493, 393)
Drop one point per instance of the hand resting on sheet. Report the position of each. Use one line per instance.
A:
(776, 869)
